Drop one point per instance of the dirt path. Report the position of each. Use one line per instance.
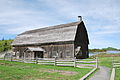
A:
(102, 74)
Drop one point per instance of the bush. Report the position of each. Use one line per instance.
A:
(5, 45)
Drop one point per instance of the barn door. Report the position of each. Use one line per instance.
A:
(38, 54)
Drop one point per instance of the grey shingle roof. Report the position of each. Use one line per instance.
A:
(58, 33)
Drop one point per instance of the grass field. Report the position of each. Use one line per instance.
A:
(105, 61)
(23, 71)
(117, 74)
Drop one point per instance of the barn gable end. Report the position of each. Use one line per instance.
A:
(82, 41)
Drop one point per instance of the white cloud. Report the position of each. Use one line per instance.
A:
(101, 17)
(108, 32)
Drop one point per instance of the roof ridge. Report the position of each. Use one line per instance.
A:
(51, 27)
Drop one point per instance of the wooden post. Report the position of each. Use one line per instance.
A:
(74, 61)
(11, 57)
(96, 62)
(112, 61)
(112, 74)
(24, 56)
(36, 60)
(4, 57)
(55, 61)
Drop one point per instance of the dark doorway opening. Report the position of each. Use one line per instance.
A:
(38, 54)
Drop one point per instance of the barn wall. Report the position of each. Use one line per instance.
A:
(52, 50)
(61, 51)
(19, 51)
(81, 40)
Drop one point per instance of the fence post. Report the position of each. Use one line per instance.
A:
(24, 57)
(96, 62)
(4, 57)
(112, 61)
(36, 60)
(74, 61)
(55, 61)
(11, 58)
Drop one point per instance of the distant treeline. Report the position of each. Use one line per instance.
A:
(103, 49)
(5, 45)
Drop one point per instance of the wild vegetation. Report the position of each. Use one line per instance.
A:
(5, 45)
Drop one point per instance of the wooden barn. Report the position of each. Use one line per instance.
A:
(62, 41)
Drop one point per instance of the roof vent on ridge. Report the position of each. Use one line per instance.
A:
(80, 18)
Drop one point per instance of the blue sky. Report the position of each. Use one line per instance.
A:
(101, 17)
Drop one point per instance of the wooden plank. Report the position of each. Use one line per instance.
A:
(65, 62)
(1, 59)
(33, 60)
(64, 65)
(86, 61)
(45, 61)
(84, 77)
(29, 62)
(75, 62)
(96, 62)
(19, 61)
(92, 65)
(46, 58)
(84, 66)
(112, 74)
(116, 63)
(116, 60)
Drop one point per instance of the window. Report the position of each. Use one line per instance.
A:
(68, 53)
(54, 53)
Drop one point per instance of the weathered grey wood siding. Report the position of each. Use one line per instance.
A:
(52, 50)
(59, 50)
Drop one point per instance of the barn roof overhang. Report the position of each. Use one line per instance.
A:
(35, 49)
(51, 43)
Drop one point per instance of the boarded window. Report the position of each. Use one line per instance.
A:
(54, 54)
(68, 53)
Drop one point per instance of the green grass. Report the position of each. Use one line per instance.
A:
(23, 71)
(117, 74)
(105, 61)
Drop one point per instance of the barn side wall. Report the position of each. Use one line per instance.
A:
(60, 50)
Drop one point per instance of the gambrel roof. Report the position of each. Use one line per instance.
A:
(58, 33)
